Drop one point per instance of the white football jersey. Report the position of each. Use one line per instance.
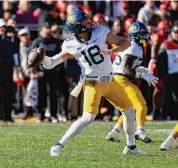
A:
(135, 50)
(88, 53)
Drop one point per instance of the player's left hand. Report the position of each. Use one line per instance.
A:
(141, 69)
(149, 78)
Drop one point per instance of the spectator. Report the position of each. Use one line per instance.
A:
(50, 77)
(8, 6)
(56, 31)
(71, 9)
(2, 28)
(11, 22)
(97, 6)
(73, 73)
(8, 61)
(163, 13)
(147, 11)
(126, 25)
(6, 15)
(99, 19)
(163, 30)
(126, 11)
(116, 28)
(24, 50)
(88, 10)
(61, 7)
(63, 88)
(134, 7)
(168, 71)
(25, 14)
(48, 13)
(174, 10)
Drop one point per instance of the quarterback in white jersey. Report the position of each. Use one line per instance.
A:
(126, 67)
(90, 47)
(88, 53)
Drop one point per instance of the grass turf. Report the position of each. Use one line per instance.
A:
(28, 146)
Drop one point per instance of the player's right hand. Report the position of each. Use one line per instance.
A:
(36, 57)
(109, 51)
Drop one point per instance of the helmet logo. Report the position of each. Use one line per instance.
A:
(130, 28)
(71, 19)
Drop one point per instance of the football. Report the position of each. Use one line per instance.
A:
(36, 57)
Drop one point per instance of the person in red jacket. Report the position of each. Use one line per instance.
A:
(167, 65)
(157, 39)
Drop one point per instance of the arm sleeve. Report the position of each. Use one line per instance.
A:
(51, 62)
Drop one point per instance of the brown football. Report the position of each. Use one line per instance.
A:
(36, 57)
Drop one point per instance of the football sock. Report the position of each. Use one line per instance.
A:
(59, 144)
(140, 129)
(77, 126)
(117, 128)
(129, 126)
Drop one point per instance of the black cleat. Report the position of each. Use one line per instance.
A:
(143, 138)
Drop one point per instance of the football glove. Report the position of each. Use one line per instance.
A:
(141, 69)
(148, 77)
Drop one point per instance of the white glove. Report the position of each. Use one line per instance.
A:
(148, 77)
(141, 69)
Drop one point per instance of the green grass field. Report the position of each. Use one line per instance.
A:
(28, 146)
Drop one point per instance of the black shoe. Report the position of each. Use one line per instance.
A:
(143, 138)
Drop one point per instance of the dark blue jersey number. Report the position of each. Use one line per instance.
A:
(118, 62)
(94, 55)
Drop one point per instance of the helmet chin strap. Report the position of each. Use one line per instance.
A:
(81, 40)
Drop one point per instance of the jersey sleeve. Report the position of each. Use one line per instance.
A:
(68, 47)
(134, 51)
(104, 31)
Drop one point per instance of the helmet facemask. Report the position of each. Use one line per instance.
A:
(140, 38)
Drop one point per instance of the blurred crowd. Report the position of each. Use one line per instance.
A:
(27, 92)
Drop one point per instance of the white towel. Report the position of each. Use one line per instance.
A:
(31, 97)
(76, 91)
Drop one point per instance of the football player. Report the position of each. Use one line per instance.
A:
(89, 46)
(127, 67)
(172, 141)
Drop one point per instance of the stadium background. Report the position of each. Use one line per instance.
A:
(26, 24)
